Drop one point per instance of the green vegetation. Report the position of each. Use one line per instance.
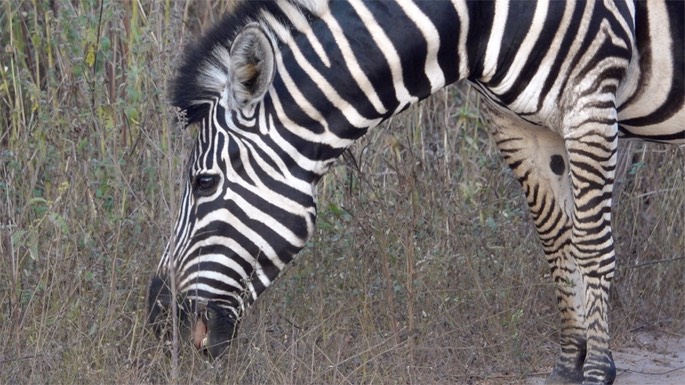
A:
(424, 269)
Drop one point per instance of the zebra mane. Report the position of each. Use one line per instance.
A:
(203, 72)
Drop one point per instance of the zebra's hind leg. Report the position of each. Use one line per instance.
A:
(537, 156)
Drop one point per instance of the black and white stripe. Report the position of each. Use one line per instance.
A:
(280, 89)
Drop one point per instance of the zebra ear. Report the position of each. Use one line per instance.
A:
(253, 65)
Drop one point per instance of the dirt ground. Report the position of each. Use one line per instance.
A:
(650, 360)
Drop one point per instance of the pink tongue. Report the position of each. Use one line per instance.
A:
(199, 332)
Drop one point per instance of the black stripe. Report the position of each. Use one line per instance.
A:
(676, 94)
(447, 22)
(481, 16)
(406, 39)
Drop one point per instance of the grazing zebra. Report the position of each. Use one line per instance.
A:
(280, 89)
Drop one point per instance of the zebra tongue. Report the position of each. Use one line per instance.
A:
(199, 333)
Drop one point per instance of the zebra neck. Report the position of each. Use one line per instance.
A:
(356, 64)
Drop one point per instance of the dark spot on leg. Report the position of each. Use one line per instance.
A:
(557, 164)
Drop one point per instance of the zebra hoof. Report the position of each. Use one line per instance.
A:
(565, 376)
(600, 370)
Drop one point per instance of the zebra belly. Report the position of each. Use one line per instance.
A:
(651, 98)
(669, 130)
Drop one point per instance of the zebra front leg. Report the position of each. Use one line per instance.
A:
(537, 156)
(591, 147)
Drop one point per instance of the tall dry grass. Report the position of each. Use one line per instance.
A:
(424, 269)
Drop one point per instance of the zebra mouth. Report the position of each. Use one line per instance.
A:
(200, 332)
(210, 328)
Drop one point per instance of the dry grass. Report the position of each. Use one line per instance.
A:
(425, 268)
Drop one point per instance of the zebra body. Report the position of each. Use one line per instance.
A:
(280, 89)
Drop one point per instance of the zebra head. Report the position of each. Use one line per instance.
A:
(248, 204)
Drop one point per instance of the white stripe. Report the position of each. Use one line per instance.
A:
(223, 215)
(192, 280)
(259, 188)
(525, 50)
(463, 13)
(193, 286)
(432, 37)
(228, 243)
(282, 173)
(352, 64)
(302, 24)
(284, 145)
(256, 214)
(495, 43)
(660, 75)
(391, 56)
(352, 115)
(526, 101)
(281, 31)
(327, 136)
(300, 100)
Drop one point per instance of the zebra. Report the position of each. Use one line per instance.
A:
(280, 89)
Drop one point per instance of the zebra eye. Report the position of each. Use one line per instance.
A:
(205, 184)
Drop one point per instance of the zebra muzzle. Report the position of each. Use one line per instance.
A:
(200, 332)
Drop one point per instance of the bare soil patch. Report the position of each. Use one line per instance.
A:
(650, 359)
